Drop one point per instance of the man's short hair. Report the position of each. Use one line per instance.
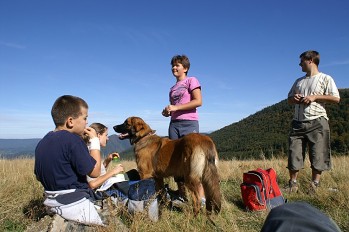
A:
(311, 55)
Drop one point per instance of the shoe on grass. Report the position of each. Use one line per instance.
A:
(291, 187)
(313, 187)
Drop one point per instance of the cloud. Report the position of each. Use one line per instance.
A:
(12, 45)
(337, 63)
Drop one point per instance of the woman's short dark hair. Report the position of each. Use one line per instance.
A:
(181, 59)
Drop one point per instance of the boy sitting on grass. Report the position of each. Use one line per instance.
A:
(62, 161)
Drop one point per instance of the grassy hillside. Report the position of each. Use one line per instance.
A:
(265, 133)
(21, 199)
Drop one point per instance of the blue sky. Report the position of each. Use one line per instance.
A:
(116, 55)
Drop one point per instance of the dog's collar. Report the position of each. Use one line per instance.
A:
(150, 133)
(141, 138)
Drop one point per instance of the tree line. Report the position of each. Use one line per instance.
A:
(265, 133)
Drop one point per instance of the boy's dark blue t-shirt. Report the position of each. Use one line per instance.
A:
(62, 161)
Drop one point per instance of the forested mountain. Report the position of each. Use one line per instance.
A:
(265, 133)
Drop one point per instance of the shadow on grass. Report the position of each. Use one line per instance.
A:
(232, 193)
(35, 210)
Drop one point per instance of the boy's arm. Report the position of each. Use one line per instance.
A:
(96, 155)
(96, 171)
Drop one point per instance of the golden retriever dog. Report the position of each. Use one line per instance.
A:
(193, 157)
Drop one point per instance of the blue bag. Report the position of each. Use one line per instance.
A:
(142, 197)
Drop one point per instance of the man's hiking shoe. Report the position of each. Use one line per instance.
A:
(291, 187)
(313, 187)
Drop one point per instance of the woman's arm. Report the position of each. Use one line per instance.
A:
(97, 182)
(195, 102)
(110, 158)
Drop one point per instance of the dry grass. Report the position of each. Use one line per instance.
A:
(21, 199)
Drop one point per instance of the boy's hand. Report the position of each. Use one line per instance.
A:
(90, 132)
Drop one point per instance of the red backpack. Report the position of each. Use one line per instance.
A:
(260, 190)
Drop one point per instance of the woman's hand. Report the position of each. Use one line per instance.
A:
(119, 168)
(110, 157)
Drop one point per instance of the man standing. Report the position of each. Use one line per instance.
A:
(310, 126)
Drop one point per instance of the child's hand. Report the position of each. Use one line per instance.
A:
(171, 108)
(119, 168)
(113, 155)
(91, 133)
(166, 113)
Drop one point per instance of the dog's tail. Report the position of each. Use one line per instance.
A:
(210, 180)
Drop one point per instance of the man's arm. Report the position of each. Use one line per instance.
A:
(321, 98)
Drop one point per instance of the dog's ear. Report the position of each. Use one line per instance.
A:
(140, 128)
(145, 130)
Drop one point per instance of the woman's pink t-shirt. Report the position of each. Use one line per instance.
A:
(180, 94)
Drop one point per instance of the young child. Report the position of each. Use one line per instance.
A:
(118, 190)
(62, 162)
(185, 97)
(102, 134)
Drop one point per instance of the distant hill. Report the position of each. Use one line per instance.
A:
(14, 148)
(265, 133)
(123, 147)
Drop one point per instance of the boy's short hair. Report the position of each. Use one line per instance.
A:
(311, 55)
(181, 59)
(67, 106)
